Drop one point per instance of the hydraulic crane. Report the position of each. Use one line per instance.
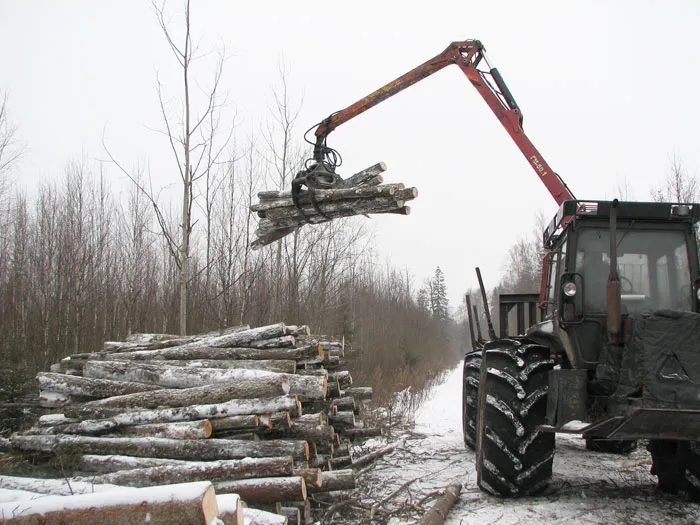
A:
(467, 55)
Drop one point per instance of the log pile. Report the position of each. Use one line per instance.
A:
(265, 413)
(361, 194)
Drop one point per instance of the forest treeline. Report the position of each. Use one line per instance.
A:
(80, 265)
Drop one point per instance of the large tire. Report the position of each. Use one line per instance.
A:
(470, 396)
(611, 446)
(677, 467)
(515, 457)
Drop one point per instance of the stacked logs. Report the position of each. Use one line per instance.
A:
(360, 194)
(266, 413)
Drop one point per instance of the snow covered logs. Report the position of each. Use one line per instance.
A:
(270, 403)
(360, 194)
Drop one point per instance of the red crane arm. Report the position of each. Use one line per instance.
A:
(467, 55)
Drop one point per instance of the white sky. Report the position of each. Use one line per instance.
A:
(608, 90)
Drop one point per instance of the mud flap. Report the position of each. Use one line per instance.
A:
(567, 397)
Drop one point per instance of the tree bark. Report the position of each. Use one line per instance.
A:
(193, 503)
(311, 419)
(201, 429)
(53, 399)
(297, 330)
(58, 487)
(344, 378)
(208, 394)
(359, 392)
(312, 371)
(353, 433)
(293, 514)
(333, 387)
(307, 387)
(368, 458)
(438, 512)
(229, 338)
(315, 433)
(190, 449)
(169, 376)
(222, 470)
(312, 476)
(246, 422)
(284, 198)
(206, 352)
(281, 366)
(234, 407)
(157, 341)
(245, 337)
(344, 403)
(368, 176)
(336, 480)
(114, 463)
(91, 387)
(284, 341)
(288, 217)
(265, 490)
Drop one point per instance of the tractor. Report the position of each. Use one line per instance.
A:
(614, 354)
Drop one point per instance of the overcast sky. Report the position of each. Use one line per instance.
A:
(609, 90)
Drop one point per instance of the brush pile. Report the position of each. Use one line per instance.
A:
(265, 413)
(360, 194)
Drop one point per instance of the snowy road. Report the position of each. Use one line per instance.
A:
(587, 487)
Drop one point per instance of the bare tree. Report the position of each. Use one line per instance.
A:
(679, 185)
(193, 145)
(10, 153)
(197, 144)
(283, 158)
(10, 149)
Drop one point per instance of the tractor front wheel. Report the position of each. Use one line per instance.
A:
(514, 457)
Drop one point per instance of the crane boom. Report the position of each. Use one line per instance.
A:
(467, 54)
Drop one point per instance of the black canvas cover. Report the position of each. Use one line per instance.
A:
(661, 359)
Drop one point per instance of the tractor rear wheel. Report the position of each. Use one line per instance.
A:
(611, 446)
(677, 467)
(470, 396)
(514, 457)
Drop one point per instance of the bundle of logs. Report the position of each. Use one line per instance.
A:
(361, 194)
(266, 413)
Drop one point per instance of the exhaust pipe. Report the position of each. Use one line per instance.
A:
(613, 287)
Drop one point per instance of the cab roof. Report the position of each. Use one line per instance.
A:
(627, 210)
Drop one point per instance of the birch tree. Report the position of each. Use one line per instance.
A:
(192, 127)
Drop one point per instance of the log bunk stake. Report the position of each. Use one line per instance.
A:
(261, 414)
(361, 194)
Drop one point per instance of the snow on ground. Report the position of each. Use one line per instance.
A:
(587, 487)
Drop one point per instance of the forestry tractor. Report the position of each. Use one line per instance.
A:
(612, 351)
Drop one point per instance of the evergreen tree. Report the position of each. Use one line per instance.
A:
(439, 304)
(424, 298)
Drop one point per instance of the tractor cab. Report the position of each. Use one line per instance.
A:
(656, 261)
(628, 367)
